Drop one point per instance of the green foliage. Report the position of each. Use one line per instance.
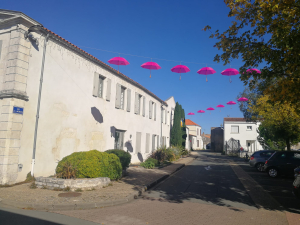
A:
(124, 157)
(264, 32)
(29, 177)
(150, 163)
(176, 129)
(167, 154)
(90, 164)
(185, 152)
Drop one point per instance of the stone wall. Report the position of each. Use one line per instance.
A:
(73, 184)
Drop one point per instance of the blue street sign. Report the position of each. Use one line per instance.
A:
(18, 110)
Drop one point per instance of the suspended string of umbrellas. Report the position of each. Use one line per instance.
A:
(231, 103)
(181, 68)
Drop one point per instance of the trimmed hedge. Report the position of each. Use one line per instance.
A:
(90, 164)
(125, 157)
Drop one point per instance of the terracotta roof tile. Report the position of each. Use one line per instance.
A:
(106, 65)
(190, 123)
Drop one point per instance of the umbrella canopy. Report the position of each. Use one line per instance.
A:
(231, 103)
(220, 106)
(191, 113)
(230, 72)
(118, 61)
(206, 71)
(253, 70)
(201, 111)
(151, 66)
(243, 99)
(180, 69)
(210, 108)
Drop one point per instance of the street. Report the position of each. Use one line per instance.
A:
(207, 191)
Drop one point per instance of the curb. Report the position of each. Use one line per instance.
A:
(102, 204)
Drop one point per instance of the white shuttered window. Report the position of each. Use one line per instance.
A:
(235, 129)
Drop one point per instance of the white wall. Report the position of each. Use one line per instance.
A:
(193, 130)
(66, 121)
(243, 135)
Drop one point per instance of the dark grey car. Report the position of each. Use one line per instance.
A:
(258, 159)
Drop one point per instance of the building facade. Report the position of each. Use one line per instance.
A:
(242, 131)
(195, 135)
(84, 103)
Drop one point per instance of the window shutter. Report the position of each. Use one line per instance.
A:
(96, 84)
(150, 109)
(0, 48)
(158, 141)
(155, 111)
(166, 116)
(118, 96)
(128, 99)
(136, 107)
(108, 88)
(153, 142)
(147, 143)
(144, 105)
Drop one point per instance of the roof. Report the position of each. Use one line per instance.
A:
(188, 122)
(234, 119)
(105, 65)
(207, 135)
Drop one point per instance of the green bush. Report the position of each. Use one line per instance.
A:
(124, 157)
(90, 164)
(185, 152)
(150, 163)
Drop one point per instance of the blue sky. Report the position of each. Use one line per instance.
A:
(169, 30)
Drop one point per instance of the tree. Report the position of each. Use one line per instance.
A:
(183, 128)
(281, 122)
(268, 139)
(176, 129)
(265, 32)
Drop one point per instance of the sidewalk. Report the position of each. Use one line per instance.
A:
(128, 188)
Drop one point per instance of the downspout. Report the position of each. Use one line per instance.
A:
(38, 106)
(161, 120)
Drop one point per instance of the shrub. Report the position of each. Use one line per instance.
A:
(124, 157)
(90, 164)
(160, 154)
(150, 163)
(184, 152)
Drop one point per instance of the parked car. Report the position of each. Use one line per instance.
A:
(258, 159)
(283, 163)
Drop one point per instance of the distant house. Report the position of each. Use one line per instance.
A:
(205, 139)
(242, 132)
(195, 134)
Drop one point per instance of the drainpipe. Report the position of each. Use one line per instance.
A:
(38, 106)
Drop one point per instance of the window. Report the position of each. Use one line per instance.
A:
(249, 127)
(138, 142)
(153, 142)
(100, 87)
(119, 139)
(198, 143)
(235, 129)
(150, 109)
(147, 143)
(137, 108)
(120, 96)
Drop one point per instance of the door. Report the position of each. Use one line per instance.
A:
(119, 139)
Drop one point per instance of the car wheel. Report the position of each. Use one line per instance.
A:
(260, 167)
(273, 172)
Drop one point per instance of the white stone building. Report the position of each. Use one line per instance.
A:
(243, 131)
(85, 104)
(195, 137)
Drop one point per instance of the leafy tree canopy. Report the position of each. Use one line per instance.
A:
(264, 32)
(280, 121)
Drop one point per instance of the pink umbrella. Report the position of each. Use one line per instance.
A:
(201, 111)
(243, 99)
(231, 103)
(180, 69)
(220, 106)
(230, 72)
(210, 108)
(118, 61)
(206, 71)
(191, 113)
(151, 66)
(253, 70)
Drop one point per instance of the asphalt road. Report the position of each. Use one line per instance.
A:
(279, 188)
(207, 180)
